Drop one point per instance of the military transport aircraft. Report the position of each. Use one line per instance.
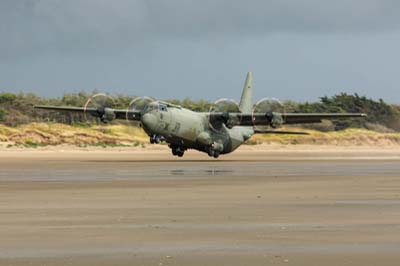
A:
(221, 130)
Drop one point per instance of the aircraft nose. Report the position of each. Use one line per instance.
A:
(149, 121)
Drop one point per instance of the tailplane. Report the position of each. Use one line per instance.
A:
(246, 103)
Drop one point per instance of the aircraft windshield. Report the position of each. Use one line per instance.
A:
(151, 106)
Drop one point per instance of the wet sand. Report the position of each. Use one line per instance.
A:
(134, 207)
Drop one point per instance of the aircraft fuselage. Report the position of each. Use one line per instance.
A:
(185, 129)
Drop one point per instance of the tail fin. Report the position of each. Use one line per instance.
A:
(246, 102)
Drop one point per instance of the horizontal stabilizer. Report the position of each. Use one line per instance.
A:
(258, 131)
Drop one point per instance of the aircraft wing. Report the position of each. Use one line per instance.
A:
(280, 132)
(305, 118)
(102, 113)
(277, 119)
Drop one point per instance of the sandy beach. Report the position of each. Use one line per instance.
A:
(273, 205)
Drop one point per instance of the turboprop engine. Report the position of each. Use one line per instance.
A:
(275, 119)
(274, 112)
(225, 107)
(103, 105)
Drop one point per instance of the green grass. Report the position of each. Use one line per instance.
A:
(33, 144)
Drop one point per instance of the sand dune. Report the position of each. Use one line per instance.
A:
(42, 134)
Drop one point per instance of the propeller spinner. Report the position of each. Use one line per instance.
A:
(100, 105)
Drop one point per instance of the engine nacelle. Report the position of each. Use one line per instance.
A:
(108, 115)
(275, 119)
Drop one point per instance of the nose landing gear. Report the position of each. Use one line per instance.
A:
(156, 139)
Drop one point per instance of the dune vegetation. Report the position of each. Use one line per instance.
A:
(347, 137)
(17, 109)
(23, 126)
(46, 134)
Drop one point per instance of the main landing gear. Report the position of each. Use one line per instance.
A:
(213, 153)
(214, 150)
(177, 151)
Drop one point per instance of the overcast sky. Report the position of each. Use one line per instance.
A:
(296, 49)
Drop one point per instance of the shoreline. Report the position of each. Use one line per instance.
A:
(161, 147)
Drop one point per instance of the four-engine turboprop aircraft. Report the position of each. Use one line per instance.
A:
(220, 131)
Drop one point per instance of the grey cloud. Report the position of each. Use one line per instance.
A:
(30, 27)
(224, 16)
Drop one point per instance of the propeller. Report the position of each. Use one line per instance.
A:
(224, 106)
(137, 105)
(273, 111)
(100, 105)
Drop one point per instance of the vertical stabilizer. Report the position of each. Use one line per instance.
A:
(246, 102)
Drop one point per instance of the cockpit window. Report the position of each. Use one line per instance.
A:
(163, 107)
(150, 107)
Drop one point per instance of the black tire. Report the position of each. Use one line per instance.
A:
(216, 154)
(180, 153)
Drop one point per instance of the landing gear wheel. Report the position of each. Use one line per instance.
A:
(155, 139)
(177, 151)
(211, 152)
